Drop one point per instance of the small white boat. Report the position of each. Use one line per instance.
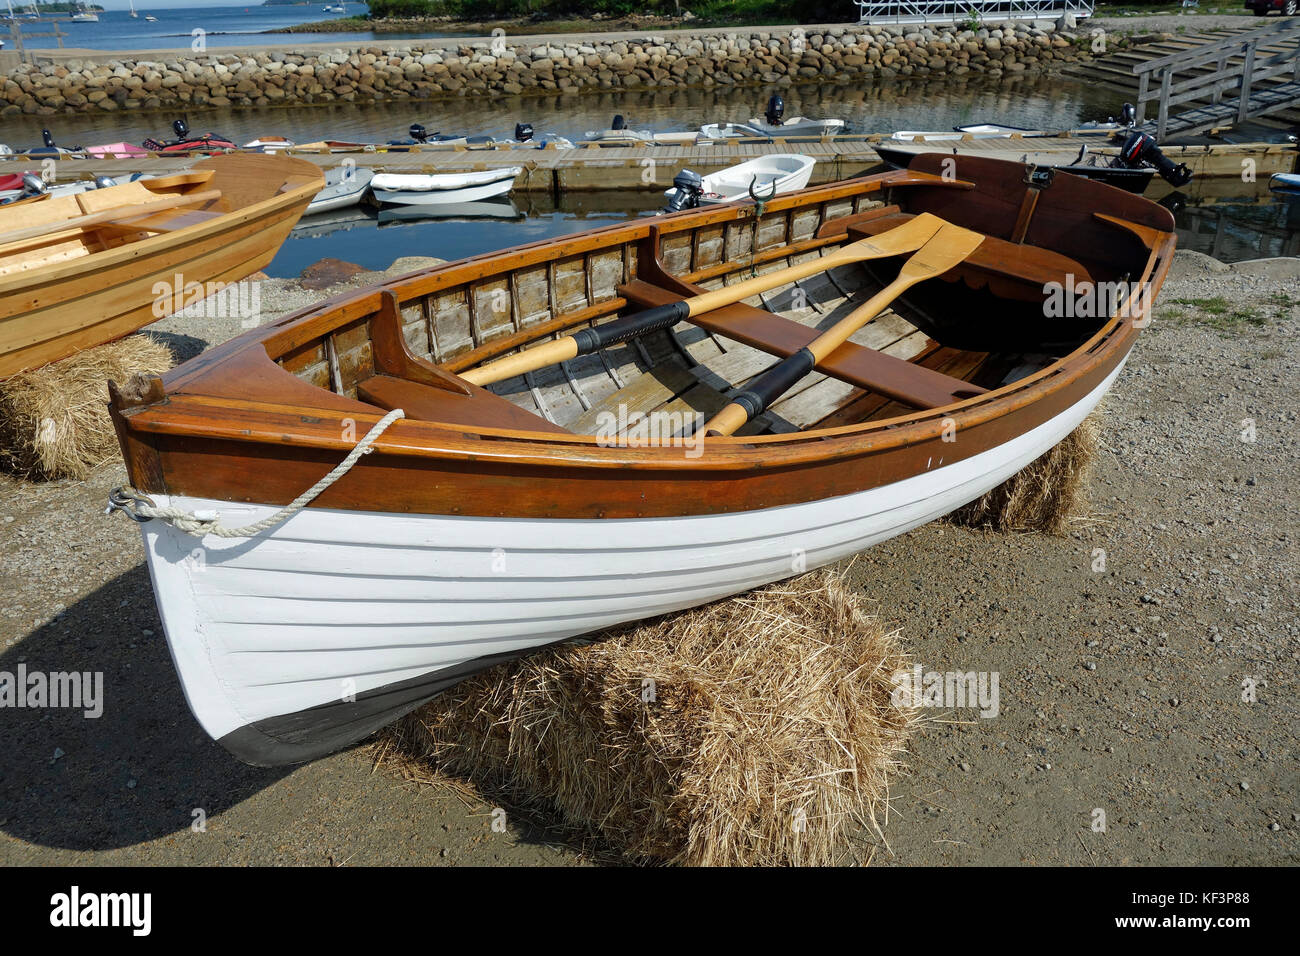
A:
(404, 189)
(619, 134)
(150, 18)
(1285, 183)
(795, 126)
(768, 175)
(344, 186)
(270, 144)
(998, 131)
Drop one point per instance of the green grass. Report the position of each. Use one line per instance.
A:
(1220, 314)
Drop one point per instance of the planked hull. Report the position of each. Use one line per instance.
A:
(269, 637)
(491, 521)
(75, 301)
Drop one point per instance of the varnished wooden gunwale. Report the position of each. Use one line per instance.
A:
(207, 441)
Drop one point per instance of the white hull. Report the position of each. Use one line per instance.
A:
(332, 603)
(789, 172)
(440, 190)
(340, 193)
(796, 126)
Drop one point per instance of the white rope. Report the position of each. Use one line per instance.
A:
(191, 523)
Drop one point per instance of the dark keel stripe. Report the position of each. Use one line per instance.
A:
(317, 731)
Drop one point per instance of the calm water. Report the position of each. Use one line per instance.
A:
(174, 29)
(1238, 229)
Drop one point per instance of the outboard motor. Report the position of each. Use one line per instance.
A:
(618, 122)
(181, 129)
(48, 139)
(103, 182)
(1140, 149)
(1128, 115)
(33, 185)
(418, 133)
(688, 187)
(775, 111)
(523, 132)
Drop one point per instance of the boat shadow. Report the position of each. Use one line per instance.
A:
(139, 770)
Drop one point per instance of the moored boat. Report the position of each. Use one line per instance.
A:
(1285, 183)
(344, 186)
(774, 123)
(771, 175)
(506, 504)
(80, 270)
(404, 189)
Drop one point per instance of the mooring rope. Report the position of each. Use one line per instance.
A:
(140, 508)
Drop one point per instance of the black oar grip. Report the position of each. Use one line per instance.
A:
(630, 326)
(774, 383)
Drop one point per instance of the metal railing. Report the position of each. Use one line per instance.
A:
(1237, 70)
(961, 11)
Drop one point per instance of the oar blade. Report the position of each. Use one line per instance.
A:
(908, 237)
(949, 247)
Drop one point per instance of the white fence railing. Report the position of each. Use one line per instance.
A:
(960, 11)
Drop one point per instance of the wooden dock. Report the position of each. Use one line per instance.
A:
(1218, 77)
(593, 169)
(555, 171)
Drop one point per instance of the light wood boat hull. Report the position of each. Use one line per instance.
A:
(461, 541)
(73, 302)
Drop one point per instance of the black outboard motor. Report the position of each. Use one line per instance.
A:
(775, 111)
(181, 129)
(1128, 114)
(688, 187)
(48, 139)
(1140, 149)
(418, 133)
(523, 132)
(618, 122)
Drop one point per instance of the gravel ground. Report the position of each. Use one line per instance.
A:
(1120, 689)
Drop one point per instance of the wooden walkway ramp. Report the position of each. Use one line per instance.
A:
(1206, 80)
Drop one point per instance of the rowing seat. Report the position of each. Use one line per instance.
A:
(480, 408)
(1031, 265)
(169, 221)
(883, 374)
(424, 391)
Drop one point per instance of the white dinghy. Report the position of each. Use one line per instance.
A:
(403, 189)
(345, 186)
(768, 176)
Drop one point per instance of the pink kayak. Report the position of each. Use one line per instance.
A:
(117, 151)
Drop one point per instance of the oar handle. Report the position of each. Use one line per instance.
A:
(761, 393)
(582, 342)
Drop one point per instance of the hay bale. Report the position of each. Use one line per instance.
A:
(54, 420)
(1044, 496)
(756, 730)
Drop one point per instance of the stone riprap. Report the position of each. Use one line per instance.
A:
(496, 67)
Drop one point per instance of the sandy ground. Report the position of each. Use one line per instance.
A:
(1121, 688)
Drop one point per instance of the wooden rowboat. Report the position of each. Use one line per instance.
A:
(80, 270)
(489, 521)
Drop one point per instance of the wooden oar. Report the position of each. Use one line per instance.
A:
(950, 246)
(901, 239)
(127, 211)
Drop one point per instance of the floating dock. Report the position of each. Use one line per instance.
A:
(652, 168)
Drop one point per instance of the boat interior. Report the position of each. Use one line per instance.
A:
(69, 227)
(978, 328)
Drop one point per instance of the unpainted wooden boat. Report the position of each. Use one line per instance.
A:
(406, 189)
(80, 270)
(491, 520)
